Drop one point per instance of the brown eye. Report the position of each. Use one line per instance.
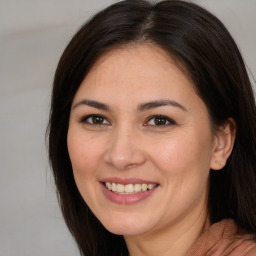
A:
(95, 120)
(160, 121)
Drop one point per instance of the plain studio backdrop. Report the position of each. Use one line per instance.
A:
(33, 34)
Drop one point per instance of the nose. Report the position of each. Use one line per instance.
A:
(124, 150)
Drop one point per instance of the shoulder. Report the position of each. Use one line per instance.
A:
(224, 238)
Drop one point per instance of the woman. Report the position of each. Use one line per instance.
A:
(152, 134)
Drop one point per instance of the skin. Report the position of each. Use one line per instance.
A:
(177, 155)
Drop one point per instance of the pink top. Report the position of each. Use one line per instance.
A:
(223, 239)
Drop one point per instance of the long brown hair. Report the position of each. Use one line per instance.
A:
(212, 60)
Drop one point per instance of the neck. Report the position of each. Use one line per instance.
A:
(173, 239)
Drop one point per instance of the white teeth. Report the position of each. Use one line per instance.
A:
(120, 188)
(144, 187)
(109, 185)
(129, 188)
(150, 186)
(114, 189)
(137, 187)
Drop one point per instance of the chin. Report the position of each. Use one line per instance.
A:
(125, 231)
(126, 226)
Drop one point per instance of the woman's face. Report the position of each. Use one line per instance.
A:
(140, 142)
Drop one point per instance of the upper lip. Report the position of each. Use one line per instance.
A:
(127, 181)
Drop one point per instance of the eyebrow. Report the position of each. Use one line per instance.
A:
(160, 103)
(142, 107)
(93, 104)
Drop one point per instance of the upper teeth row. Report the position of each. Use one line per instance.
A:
(129, 188)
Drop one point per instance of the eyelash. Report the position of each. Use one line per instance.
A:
(165, 118)
(85, 120)
(104, 120)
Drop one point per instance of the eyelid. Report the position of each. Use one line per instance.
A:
(170, 120)
(85, 118)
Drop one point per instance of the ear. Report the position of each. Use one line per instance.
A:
(223, 144)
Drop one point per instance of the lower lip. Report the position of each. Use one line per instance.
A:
(127, 198)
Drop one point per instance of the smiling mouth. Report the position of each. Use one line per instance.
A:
(129, 188)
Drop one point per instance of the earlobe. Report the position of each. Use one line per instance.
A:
(223, 144)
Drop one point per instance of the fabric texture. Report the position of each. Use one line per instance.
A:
(223, 239)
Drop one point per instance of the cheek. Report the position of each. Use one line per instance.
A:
(183, 161)
(82, 153)
(84, 159)
(183, 153)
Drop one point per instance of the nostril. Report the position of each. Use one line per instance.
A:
(124, 159)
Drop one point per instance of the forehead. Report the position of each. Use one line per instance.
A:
(136, 68)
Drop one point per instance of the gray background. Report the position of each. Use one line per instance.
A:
(33, 33)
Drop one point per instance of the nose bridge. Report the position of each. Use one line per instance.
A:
(124, 149)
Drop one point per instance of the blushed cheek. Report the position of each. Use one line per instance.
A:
(181, 157)
(172, 155)
(78, 153)
(82, 164)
